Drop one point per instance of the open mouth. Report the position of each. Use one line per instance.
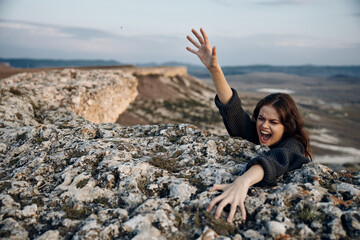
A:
(265, 136)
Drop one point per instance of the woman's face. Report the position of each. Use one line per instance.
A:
(269, 128)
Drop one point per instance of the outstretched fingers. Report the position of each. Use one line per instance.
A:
(220, 208)
(193, 41)
(214, 52)
(232, 213)
(191, 50)
(214, 202)
(198, 36)
(206, 40)
(243, 211)
(218, 187)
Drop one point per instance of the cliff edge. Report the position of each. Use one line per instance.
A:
(65, 177)
(171, 95)
(97, 95)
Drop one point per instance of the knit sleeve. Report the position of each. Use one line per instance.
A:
(236, 120)
(286, 156)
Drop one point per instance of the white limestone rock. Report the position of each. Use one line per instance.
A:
(29, 211)
(181, 190)
(275, 228)
(252, 234)
(51, 234)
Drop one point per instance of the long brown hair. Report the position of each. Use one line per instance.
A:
(290, 117)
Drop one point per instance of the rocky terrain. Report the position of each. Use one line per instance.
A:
(63, 176)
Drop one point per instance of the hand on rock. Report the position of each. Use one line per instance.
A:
(233, 194)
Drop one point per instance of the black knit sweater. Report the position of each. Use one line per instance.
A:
(286, 155)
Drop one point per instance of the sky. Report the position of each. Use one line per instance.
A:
(245, 32)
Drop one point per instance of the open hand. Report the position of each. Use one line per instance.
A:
(206, 54)
(233, 194)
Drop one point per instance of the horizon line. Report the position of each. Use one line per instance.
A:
(173, 62)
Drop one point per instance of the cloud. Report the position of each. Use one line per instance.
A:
(286, 50)
(26, 39)
(31, 28)
(280, 2)
(289, 41)
(86, 33)
(54, 30)
(224, 2)
(307, 42)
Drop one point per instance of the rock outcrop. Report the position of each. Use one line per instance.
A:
(97, 95)
(65, 177)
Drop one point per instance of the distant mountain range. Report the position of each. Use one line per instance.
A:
(195, 70)
(44, 63)
(303, 70)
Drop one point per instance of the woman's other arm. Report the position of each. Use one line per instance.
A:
(208, 57)
(236, 192)
(286, 156)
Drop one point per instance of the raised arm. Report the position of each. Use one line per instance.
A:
(208, 57)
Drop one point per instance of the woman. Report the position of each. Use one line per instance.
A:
(276, 123)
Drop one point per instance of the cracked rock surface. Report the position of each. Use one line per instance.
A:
(97, 95)
(68, 178)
